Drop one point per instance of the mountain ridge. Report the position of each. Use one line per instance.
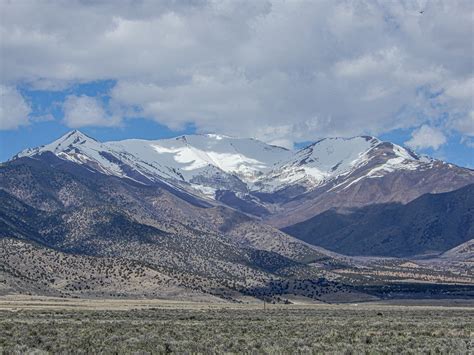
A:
(279, 185)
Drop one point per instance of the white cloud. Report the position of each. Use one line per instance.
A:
(465, 124)
(277, 70)
(426, 137)
(459, 97)
(81, 111)
(14, 110)
(369, 63)
(462, 89)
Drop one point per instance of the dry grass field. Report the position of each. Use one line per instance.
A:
(43, 325)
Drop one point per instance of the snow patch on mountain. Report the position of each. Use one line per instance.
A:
(188, 155)
(320, 162)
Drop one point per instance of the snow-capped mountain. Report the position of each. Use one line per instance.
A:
(263, 179)
(332, 158)
(203, 162)
(206, 160)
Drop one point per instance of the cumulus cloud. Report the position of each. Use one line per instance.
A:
(426, 137)
(81, 111)
(282, 71)
(14, 110)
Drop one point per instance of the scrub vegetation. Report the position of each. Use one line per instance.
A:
(205, 329)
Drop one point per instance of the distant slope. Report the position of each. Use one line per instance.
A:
(432, 223)
(463, 253)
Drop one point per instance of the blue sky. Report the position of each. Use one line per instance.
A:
(283, 72)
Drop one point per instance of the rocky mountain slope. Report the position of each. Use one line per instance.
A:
(430, 224)
(208, 249)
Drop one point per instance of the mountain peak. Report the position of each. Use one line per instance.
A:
(76, 135)
(68, 141)
(71, 139)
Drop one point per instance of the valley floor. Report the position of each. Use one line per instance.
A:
(55, 325)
